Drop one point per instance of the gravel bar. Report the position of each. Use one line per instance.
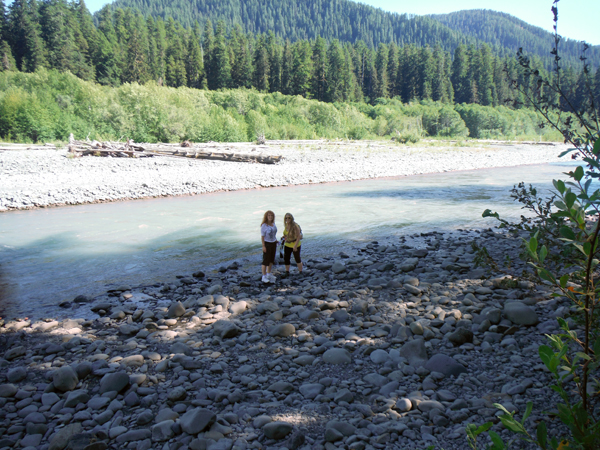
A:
(41, 178)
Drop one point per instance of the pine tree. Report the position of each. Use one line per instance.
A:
(439, 82)
(409, 71)
(86, 40)
(381, 88)
(106, 56)
(337, 84)
(261, 64)
(7, 62)
(460, 79)
(274, 52)
(26, 40)
(3, 22)
(596, 89)
(160, 40)
(220, 66)
(175, 73)
(392, 69)
(136, 53)
(194, 62)
(241, 66)
(208, 42)
(485, 78)
(319, 63)
(301, 68)
(425, 73)
(287, 62)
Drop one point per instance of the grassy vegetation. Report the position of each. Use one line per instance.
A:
(47, 106)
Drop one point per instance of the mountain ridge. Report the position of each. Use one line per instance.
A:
(349, 21)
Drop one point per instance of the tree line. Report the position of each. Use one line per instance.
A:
(125, 47)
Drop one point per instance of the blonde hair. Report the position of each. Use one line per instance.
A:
(293, 230)
(266, 217)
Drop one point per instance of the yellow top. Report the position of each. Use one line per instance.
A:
(290, 244)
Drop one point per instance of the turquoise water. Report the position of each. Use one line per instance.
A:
(51, 255)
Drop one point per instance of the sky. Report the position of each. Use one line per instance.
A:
(578, 19)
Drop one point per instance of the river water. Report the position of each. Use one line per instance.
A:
(51, 255)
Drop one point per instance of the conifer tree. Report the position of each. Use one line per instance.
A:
(381, 67)
(410, 67)
(107, 54)
(194, 62)
(3, 22)
(136, 53)
(460, 75)
(301, 68)
(86, 39)
(26, 40)
(392, 69)
(425, 73)
(287, 63)
(439, 89)
(7, 62)
(337, 84)
(485, 76)
(208, 42)
(175, 71)
(241, 67)
(261, 64)
(319, 62)
(274, 52)
(220, 66)
(160, 40)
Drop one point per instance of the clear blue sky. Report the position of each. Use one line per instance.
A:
(578, 19)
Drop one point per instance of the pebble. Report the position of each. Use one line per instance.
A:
(402, 356)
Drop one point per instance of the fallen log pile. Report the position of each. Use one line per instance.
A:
(129, 149)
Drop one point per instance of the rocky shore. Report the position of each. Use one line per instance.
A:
(382, 347)
(41, 178)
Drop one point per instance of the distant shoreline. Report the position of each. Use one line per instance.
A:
(34, 179)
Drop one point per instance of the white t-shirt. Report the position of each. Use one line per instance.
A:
(269, 232)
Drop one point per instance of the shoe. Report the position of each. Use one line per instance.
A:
(271, 277)
(285, 275)
(265, 279)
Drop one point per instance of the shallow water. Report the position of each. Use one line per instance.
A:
(51, 255)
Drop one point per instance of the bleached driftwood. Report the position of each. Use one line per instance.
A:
(129, 149)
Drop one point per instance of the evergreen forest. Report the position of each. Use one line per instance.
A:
(122, 48)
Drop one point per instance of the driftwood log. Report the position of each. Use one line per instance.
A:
(129, 149)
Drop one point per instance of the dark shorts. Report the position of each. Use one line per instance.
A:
(287, 253)
(269, 255)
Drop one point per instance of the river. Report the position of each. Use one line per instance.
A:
(51, 255)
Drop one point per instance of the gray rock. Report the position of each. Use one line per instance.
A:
(277, 430)
(176, 310)
(345, 428)
(225, 329)
(114, 382)
(408, 264)
(412, 289)
(281, 386)
(282, 330)
(338, 267)
(60, 440)
(65, 379)
(445, 364)
(162, 431)
(17, 374)
(379, 356)
(403, 405)
(15, 352)
(460, 336)
(311, 390)
(415, 352)
(197, 420)
(76, 397)
(340, 316)
(337, 356)
(166, 414)
(134, 435)
(416, 328)
(520, 313)
(238, 307)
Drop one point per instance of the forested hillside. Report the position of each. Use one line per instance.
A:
(503, 30)
(125, 47)
(349, 21)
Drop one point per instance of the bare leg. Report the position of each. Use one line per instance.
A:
(300, 267)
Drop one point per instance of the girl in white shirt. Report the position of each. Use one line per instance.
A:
(268, 235)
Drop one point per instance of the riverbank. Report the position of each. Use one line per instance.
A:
(382, 347)
(43, 178)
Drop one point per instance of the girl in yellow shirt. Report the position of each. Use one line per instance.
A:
(293, 235)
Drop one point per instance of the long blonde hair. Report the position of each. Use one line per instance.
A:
(293, 230)
(266, 217)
